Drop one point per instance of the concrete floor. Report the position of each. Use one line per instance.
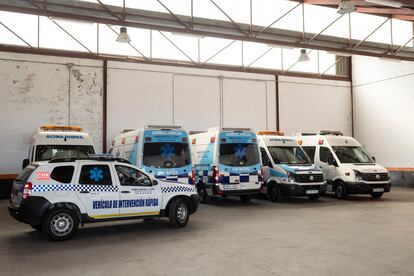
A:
(359, 236)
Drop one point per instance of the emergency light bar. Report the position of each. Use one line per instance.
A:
(60, 128)
(125, 130)
(331, 132)
(229, 129)
(162, 127)
(265, 132)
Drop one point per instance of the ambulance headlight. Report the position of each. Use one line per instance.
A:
(291, 177)
(358, 176)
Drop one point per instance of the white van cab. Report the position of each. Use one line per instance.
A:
(226, 162)
(348, 167)
(162, 151)
(54, 141)
(287, 170)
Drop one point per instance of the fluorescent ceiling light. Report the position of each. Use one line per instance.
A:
(123, 36)
(280, 46)
(346, 6)
(188, 35)
(303, 55)
(340, 54)
(389, 3)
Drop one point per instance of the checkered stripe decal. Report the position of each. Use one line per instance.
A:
(181, 179)
(176, 189)
(72, 187)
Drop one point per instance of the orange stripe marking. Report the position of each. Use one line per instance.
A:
(8, 176)
(397, 169)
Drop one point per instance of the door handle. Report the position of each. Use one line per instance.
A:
(125, 192)
(84, 192)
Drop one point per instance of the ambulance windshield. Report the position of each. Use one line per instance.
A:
(347, 154)
(239, 154)
(166, 155)
(49, 152)
(288, 155)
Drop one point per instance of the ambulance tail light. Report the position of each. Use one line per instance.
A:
(212, 139)
(136, 139)
(184, 140)
(193, 177)
(260, 174)
(216, 176)
(193, 141)
(27, 190)
(320, 142)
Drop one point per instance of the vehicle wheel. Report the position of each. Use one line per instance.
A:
(60, 224)
(202, 194)
(340, 191)
(274, 194)
(37, 227)
(178, 213)
(376, 195)
(314, 197)
(245, 198)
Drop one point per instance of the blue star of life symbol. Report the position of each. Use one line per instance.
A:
(167, 151)
(96, 174)
(239, 151)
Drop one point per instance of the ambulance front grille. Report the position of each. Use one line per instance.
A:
(375, 177)
(309, 178)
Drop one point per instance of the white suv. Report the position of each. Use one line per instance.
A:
(55, 197)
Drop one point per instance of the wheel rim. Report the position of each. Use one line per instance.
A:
(339, 191)
(182, 212)
(61, 224)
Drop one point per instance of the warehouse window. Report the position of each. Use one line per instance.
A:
(62, 174)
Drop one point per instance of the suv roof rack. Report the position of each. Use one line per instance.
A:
(162, 127)
(94, 158)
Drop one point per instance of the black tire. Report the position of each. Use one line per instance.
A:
(376, 195)
(60, 224)
(274, 194)
(202, 195)
(341, 191)
(314, 197)
(178, 213)
(37, 227)
(245, 198)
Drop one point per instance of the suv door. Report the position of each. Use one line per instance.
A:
(97, 190)
(138, 195)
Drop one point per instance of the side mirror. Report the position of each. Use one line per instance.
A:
(331, 161)
(154, 182)
(25, 163)
(373, 158)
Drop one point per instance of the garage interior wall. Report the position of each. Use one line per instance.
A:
(383, 110)
(139, 94)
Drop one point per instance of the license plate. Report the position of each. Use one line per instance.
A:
(230, 187)
(312, 192)
(378, 190)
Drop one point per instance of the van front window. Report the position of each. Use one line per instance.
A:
(166, 155)
(349, 154)
(49, 152)
(239, 154)
(289, 155)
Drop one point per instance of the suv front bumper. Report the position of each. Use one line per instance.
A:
(367, 188)
(295, 189)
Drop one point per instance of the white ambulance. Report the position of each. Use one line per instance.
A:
(53, 141)
(348, 167)
(287, 169)
(162, 151)
(226, 163)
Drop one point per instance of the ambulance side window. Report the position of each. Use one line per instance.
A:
(62, 174)
(324, 154)
(95, 175)
(265, 158)
(132, 177)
